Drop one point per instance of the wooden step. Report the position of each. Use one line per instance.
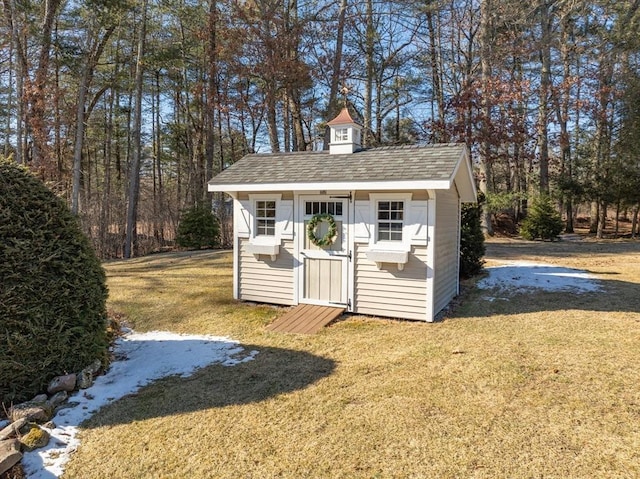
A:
(305, 319)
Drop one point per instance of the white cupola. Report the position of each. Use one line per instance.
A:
(345, 134)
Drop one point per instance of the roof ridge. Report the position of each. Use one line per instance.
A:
(373, 149)
(288, 153)
(414, 146)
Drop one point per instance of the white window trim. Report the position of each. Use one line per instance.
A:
(263, 239)
(374, 243)
(389, 251)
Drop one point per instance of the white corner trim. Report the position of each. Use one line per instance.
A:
(431, 250)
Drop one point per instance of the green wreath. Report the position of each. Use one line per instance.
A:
(328, 238)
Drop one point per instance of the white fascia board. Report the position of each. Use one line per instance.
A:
(338, 185)
(467, 189)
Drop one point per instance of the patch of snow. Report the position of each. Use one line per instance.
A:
(142, 358)
(522, 276)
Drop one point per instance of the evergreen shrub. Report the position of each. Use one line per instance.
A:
(52, 289)
(543, 221)
(198, 228)
(472, 248)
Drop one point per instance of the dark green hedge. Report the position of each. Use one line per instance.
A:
(472, 247)
(52, 289)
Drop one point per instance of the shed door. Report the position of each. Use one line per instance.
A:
(324, 272)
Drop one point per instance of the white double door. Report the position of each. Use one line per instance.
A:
(323, 272)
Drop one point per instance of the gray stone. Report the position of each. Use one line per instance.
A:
(35, 438)
(85, 379)
(40, 398)
(62, 383)
(12, 429)
(58, 398)
(49, 425)
(36, 412)
(94, 367)
(10, 454)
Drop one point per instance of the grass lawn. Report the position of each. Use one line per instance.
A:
(542, 385)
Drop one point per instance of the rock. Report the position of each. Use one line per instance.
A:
(85, 379)
(62, 383)
(40, 398)
(35, 438)
(12, 429)
(94, 367)
(25, 429)
(10, 454)
(49, 425)
(58, 398)
(36, 412)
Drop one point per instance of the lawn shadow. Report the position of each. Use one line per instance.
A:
(273, 371)
(518, 249)
(139, 385)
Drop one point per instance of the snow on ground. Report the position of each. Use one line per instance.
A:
(524, 276)
(140, 359)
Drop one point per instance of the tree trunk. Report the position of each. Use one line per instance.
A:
(36, 91)
(272, 123)
(91, 60)
(436, 81)
(369, 62)
(77, 150)
(602, 221)
(333, 108)
(562, 114)
(485, 155)
(131, 241)
(545, 84)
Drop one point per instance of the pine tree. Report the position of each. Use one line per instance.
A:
(542, 221)
(198, 229)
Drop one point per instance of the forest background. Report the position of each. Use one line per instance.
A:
(127, 107)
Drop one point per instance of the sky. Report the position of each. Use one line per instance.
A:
(141, 358)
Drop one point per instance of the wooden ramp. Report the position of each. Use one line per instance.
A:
(305, 319)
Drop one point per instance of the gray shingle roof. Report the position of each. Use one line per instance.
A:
(405, 163)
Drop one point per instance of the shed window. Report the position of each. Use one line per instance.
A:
(390, 220)
(342, 134)
(265, 218)
(321, 207)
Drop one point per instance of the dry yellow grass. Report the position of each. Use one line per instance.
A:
(545, 385)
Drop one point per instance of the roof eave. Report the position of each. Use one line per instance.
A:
(335, 186)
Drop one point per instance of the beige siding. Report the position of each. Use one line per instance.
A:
(388, 291)
(446, 248)
(263, 280)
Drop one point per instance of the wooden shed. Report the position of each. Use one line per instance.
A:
(384, 238)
